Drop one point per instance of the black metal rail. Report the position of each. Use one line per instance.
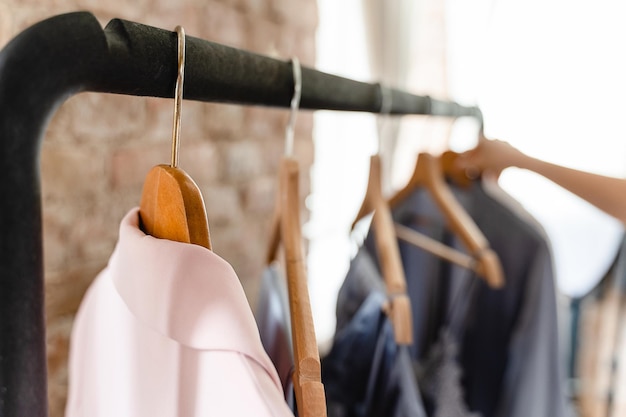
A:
(71, 53)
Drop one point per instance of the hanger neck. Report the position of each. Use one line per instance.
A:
(172, 207)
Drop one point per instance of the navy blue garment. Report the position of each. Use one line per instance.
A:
(509, 351)
(439, 375)
(366, 374)
(274, 322)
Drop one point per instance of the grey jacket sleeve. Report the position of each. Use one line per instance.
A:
(534, 379)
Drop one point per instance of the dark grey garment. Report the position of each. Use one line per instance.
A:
(361, 280)
(509, 352)
(366, 374)
(274, 322)
(439, 375)
(439, 379)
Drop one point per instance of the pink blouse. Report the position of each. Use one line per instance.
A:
(166, 330)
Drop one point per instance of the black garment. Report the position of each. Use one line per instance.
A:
(439, 374)
(439, 378)
(509, 352)
(366, 374)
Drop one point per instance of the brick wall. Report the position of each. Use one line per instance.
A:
(98, 148)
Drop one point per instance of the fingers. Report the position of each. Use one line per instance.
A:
(466, 162)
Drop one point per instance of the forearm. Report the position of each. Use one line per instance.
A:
(606, 193)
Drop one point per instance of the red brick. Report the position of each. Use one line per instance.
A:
(77, 232)
(305, 48)
(273, 152)
(224, 121)
(129, 165)
(251, 7)
(55, 243)
(201, 161)
(72, 170)
(264, 37)
(93, 235)
(243, 246)
(107, 117)
(57, 346)
(243, 161)
(160, 120)
(301, 13)
(64, 291)
(266, 123)
(60, 127)
(25, 16)
(223, 205)
(223, 24)
(168, 14)
(259, 196)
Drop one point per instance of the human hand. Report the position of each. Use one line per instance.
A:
(490, 156)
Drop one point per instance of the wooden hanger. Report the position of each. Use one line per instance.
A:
(428, 174)
(274, 242)
(287, 229)
(307, 377)
(461, 177)
(452, 170)
(435, 247)
(399, 305)
(171, 203)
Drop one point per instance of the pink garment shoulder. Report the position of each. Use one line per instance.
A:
(166, 330)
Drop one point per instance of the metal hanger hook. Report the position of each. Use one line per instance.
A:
(178, 95)
(295, 105)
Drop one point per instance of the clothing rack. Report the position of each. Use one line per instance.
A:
(71, 53)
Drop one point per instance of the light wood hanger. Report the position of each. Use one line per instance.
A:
(428, 174)
(452, 171)
(274, 242)
(307, 377)
(287, 229)
(171, 203)
(435, 247)
(399, 304)
(462, 178)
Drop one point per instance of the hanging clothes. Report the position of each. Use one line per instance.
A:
(439, 374)
(366, 374)
(166, 330)
(436, 385)
(509, 352)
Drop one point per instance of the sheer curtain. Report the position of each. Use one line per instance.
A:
(391, 40)
(343, 143)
